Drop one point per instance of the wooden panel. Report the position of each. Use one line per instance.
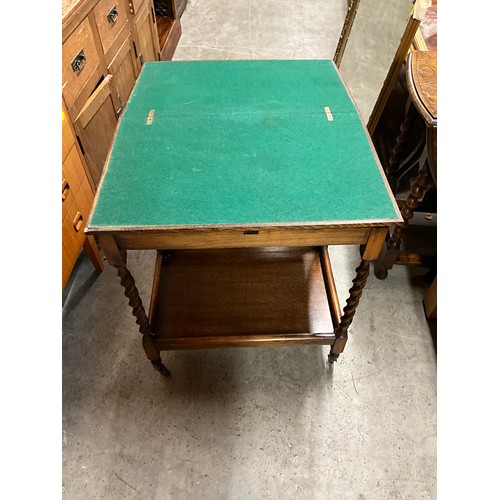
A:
(331, 289)
(67, 196)
(76, 219)
(272, 340)
(392, 74)
(86, 92)
(92, 251)
(169, 32)
(136, 4)
(85, 199)
(261, 292)
(73, 82)
(68, 137)
(421, 79)
(94, 103)
(430, 300)
(375, 243)
(180, 6)
(124, 70)
(73, 13)
(73, 170)
(83, 202)
(236, 238)
(95, 126)
(72, 232)
(147, 35)
(109, 31)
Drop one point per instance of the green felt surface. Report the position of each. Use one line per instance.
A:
(240, 142)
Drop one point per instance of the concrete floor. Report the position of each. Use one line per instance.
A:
(250, 423)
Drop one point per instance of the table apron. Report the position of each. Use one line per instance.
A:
(241, 238)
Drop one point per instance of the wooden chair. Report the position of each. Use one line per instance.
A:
(421, 79)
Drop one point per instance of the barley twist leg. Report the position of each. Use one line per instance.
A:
(135, 302)
(418, 190)
(395, 158)
(117, 257)
(358, 283)
(390, 253)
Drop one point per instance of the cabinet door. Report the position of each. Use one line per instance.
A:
(73, 176)
(147, 44)
(68, 138)
(124, 70)
(95, 126)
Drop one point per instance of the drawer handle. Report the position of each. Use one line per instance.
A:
(79, 62)
(65, 189)
(112, 15)
(78, 221)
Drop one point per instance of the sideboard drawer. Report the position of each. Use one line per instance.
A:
(110, 17)
(77, 199)
(79, 61)
(68, 138)
(72, 231)
(73, 170)
(67, 196)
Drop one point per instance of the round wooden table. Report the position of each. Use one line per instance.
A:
(421, 80)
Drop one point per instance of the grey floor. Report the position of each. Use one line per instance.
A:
(250, 423)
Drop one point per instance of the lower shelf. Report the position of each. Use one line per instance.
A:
(242, 297)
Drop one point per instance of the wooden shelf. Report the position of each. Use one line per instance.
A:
(242, 297)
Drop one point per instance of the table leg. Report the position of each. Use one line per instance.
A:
(404, 130)
(90, 247)
(118, 259)
(390, 254)
(358, 283)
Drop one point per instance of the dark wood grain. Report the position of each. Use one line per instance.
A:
(392, 75)
(168, 38)
(235, 237)
(341, 335)
(241, 297)
(118, 259)
(331, 289)
(421, 80)
(389, 256)
(422, 83)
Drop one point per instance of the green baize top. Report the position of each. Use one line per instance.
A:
(240, 142)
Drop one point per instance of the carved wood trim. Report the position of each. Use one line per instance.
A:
(418, 190)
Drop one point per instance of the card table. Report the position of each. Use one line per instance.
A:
(241, 174)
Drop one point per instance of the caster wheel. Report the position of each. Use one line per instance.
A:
(381, 274)
(332, 358)
(160, 367)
